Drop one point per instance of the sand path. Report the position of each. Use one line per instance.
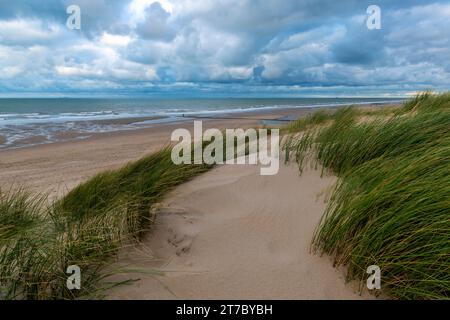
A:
(233, 234)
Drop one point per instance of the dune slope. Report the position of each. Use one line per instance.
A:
(233, 234)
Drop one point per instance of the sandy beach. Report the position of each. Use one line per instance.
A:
(228, 234)
(57, 167)
(121, 123)
(233, 234)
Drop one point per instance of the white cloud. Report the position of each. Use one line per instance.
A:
(28, 32)
(149, 44)
(114, 40)
(82, 70)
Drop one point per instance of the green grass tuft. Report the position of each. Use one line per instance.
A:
(86, 227)
(391, 204)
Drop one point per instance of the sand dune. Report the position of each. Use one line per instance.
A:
(233, 234)
(229, 233)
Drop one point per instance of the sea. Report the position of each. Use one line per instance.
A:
(29, 121)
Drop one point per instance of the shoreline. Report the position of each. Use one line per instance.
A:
(139, 123)
(55, 168)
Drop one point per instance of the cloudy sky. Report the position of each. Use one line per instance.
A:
(223, 48)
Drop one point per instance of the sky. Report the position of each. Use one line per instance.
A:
(224, 48)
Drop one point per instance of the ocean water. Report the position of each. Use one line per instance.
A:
(29, 121)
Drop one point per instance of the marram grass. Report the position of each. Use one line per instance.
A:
(391, 204)
(38, 241)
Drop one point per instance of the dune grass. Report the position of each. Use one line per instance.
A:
(86, 227)
(391, 204)
(312, 119)
(38, 241)
(324, 116)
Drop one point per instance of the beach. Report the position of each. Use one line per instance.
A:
(228, 234)
(208, 151)
(55, 168)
